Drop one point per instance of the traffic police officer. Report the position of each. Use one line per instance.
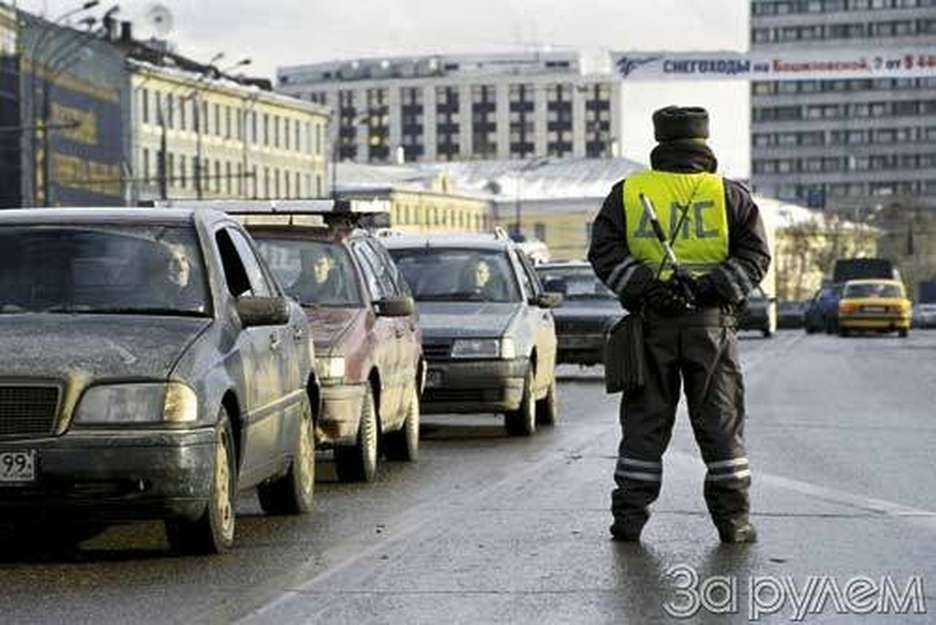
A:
(719, 239)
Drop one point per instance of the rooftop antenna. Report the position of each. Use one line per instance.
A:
(159, 19)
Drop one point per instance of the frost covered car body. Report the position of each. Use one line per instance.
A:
(150, 367)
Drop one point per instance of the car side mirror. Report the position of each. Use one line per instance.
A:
(556, 285)
(262, 311)
(394, 307)
(549, 299)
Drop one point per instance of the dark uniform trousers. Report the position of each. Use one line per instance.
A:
(698, 349)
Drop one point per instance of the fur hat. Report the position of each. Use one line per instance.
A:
(675, 123)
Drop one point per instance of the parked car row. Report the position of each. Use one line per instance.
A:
(155, 362)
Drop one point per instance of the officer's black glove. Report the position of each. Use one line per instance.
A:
(666, 298)
(633, 292)
(705, 293)
(685, 285)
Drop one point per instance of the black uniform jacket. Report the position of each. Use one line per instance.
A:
(749, 252)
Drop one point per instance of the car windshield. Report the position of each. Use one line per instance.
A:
(575, 283)
(316, 273)
(872, 289)
(101, 269)
(438, 274)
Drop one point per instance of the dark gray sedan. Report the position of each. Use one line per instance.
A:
(150, 368)
(588, 311)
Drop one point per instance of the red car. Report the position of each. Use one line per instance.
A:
(366, 334)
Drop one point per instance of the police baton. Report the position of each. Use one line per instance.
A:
(667, 249)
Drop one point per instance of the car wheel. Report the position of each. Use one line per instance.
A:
(358, 463)
(294, 492)
(214, 531)
(522, 422)
(547, 409)
(403, 445)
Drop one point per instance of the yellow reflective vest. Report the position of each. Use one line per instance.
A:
(702, 241)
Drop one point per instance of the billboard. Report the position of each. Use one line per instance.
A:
(826, 64)
(76, 92)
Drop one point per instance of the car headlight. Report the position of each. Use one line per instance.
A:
(484, 348)
(331, 369)
(115, 404)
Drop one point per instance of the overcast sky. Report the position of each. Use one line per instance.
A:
(291, 32)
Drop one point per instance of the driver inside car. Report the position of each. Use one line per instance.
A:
(477, 280)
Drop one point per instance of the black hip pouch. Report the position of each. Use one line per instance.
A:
(625, 365)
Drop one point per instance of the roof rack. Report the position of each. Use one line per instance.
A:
(283, 207)
(339, 214)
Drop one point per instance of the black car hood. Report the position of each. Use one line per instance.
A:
(94, 346)
(588, 309)
(465, 319)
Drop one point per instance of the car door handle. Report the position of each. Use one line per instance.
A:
(274, 342)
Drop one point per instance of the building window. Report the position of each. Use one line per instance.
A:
(539, 231)
(447, 123)
(144, 101)
(484, 121)
(183, 181)
(146, 166)
(318, 185)
(217, 120)
(559, 119)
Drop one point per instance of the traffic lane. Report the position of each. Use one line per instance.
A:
(537, 550)
(857, 411)
(128, 572)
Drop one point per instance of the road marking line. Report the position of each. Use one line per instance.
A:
(918, 516)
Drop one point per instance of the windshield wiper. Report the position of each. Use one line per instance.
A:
(455, 296)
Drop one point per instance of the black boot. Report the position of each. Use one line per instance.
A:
(627, 529)
(734, 533)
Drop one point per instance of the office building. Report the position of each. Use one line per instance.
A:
(475, 107)
(845, 144)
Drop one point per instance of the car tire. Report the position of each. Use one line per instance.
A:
(294, 493)
(844, 332)
(213, 532)
(767, 333)
(403, 445)
(547, 409)
(522, 422)
(358, 462)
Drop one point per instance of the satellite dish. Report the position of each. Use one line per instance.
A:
(159, 19)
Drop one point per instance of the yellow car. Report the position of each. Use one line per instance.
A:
(877, 305)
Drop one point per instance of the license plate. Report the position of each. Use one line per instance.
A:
(17, 467)
(433, 379)
(875, 309)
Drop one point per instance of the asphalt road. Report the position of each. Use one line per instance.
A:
(489, 529)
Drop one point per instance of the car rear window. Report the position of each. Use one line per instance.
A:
(872, 289)
(101, 269)
(446, 274)
(574, 283)
(312, 272)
